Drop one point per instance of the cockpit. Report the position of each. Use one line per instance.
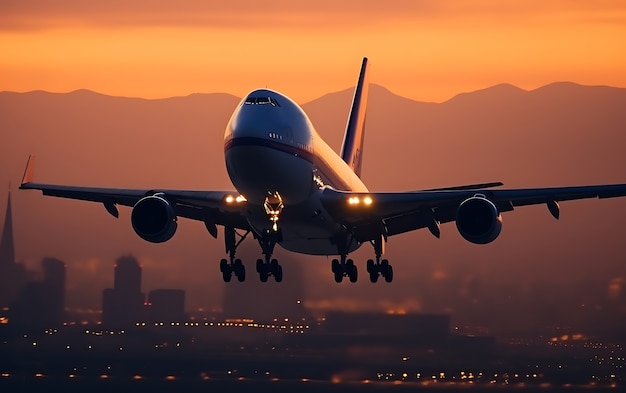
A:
(261, 100)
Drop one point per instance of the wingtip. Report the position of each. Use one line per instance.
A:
(29, 172)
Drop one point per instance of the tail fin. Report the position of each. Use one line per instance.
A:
(352, 147)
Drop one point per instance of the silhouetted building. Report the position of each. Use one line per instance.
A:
(42, 303)
(127, 275)
(166, 305)
(54, 282)
(122, 305)
(13, 276)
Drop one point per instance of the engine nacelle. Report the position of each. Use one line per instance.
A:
(478, 220)
(154, 219)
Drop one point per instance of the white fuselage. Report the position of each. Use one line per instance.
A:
(270, 147)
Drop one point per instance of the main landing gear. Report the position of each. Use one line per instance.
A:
(346, 268)
(233, 265)
(378, 267)
(265, 267)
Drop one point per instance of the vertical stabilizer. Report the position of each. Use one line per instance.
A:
(352, 147)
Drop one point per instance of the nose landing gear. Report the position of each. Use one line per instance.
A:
(269, 266)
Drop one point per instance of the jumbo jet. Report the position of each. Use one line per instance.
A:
(293, 190)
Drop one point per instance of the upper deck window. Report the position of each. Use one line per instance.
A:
(261, 101)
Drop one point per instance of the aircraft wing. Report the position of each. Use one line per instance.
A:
(211, 207)
(399, 212)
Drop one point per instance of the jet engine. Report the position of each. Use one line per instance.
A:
(154, 219)
(478, 220)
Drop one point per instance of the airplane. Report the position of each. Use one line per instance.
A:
(293, 190)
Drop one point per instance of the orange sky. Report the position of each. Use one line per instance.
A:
(424, 49)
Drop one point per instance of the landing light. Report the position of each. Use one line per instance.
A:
(355, 200)
(230, 199)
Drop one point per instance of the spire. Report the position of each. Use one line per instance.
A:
(7, 251)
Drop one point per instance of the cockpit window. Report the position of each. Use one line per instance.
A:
(261, 101)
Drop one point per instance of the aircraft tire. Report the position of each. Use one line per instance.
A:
(239, 270)
(389, 274)
(278, 274)
(353, 273)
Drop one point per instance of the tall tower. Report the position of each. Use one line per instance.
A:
(7, 250)
(12, 275)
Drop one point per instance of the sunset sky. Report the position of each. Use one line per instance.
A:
(423, 49)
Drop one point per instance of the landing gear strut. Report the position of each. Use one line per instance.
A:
(232, 264)
(379, 267)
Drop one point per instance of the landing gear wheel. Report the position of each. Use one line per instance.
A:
(259, 265)
(386, 270)
(335, 267)
(226, 269)
(278, 274)
(352, 271)
(389, 275)
(240, 270)
(338, 277)
(264, 274)
(374, 276)
(224, 266)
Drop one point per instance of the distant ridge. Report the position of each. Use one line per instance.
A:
(501, 90)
